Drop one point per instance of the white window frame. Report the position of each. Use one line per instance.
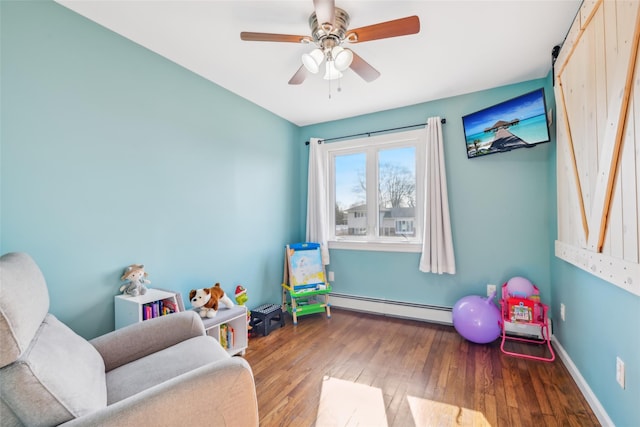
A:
(371, 146)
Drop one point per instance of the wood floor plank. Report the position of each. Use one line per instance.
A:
(418, 373)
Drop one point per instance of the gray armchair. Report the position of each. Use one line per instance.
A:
(164, 371)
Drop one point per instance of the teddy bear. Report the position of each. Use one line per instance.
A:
(135, 280)
(206, 300)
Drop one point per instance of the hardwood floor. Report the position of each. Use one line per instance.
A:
(403, 373)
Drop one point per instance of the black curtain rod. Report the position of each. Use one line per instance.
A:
(443, 121)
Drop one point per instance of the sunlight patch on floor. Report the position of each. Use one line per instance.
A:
(430, 413)
(349, 404)
(345, 403)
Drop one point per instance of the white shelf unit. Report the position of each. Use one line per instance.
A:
(236, 318)
(128, 309)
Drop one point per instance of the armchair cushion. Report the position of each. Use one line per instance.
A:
(218, 394)
(161, 366)
(20, 316)
(7, 417)
(60, 374)
(141, 339)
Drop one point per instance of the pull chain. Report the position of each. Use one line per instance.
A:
(339, 89)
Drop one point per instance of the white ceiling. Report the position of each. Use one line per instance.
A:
(462, 47)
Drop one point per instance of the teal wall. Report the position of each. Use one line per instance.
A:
(113, 155)
(602, 322)
(499, 207)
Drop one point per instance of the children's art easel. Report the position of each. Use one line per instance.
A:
(304, 287)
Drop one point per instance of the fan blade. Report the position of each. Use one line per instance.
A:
(267, 37)
(325, 11)
(363, 69)
(384, 30)
(299, 76)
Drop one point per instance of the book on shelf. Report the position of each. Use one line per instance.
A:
(231, 337)
(179, 305)
(227, 336)
(146, 312)
(223, 335)
(158, 308)
(168, 304)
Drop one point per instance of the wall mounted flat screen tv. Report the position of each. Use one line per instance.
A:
(520, 122)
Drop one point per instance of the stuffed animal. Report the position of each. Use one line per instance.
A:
(241, 295)
(134, 275)
(206, 300)
(241, 299)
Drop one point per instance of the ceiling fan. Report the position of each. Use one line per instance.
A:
(329, 30)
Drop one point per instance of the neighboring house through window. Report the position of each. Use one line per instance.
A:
(375, 189)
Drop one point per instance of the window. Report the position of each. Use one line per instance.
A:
(375, 188)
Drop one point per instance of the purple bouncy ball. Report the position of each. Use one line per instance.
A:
(477, 319)
(520, 287)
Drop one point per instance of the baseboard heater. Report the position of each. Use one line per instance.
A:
(407, 310)
(428, 313)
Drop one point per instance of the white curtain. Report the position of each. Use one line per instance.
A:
(317, 209)
(437, 243)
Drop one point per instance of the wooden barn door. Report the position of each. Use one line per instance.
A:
(597, 90)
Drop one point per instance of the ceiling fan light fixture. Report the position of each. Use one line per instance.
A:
(342, 57)
(331, 72)
(312, 60)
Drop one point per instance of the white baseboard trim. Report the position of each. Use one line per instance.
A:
(442, 315)
(588, 394)
(400, 309)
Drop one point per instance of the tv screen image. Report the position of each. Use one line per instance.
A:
(520, 122)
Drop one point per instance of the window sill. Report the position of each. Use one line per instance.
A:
(375, 246)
